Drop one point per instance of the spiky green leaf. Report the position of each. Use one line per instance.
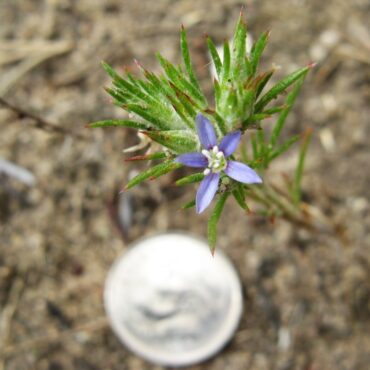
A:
(283, 147)
(148, 157)
(215, 57)
(122, 123)
(196, 177)
(257, 51)
(262, 81)
(226, 62)
(179, 141)
(296, 191)
(187, 62)
(239, 196)
(289, 101)
(153, 173)
(213, 220)
(181, 83)
(280, 87)
(239, 49)
(189, 205)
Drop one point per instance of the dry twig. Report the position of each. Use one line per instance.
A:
(38, 121)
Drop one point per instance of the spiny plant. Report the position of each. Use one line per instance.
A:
(172, 110)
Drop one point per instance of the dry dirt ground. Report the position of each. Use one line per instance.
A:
(307, 295)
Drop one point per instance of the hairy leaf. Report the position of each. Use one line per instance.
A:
(153, 173)
(179, 141)
(196, 177)
(120, 122)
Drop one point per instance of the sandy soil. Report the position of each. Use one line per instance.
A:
(307, 295)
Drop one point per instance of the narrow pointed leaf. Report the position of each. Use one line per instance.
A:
(127, 86)
(187, 62)
(150, 90)
(153, 173)
(212, 222)
(257, 51)
(119, 97)
(262, 81)
(248, 67)
(283, 148)
(256, 118)
(162, 86)
(274, 110)
(215, 57)
(133, 90)
(186, 105)
(197, 177)
(189, 205)
(179, 141)
(181, 110)
(226, 62)
(111, 72)
(262, 148)
(219, 121)
(148, 114)
(289, 101)
(239, 48)
(254, 146)
(181, 83)
(280, 87)
(121, 122)
(239, 196)
(296, 193)
(147, 157)
(247, 103)
(217, 89)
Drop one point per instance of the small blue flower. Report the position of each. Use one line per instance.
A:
(213, 158)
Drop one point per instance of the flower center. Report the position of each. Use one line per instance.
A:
(216, 160)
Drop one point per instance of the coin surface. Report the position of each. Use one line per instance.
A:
(171, 302)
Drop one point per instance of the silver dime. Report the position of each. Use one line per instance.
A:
(171, 302)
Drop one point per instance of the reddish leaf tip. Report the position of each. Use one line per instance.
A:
(307, 133)
(135, 158)
(139, 65)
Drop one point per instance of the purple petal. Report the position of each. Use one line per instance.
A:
(206, 132)
(197, 160)
(230, 142)
(242, 173)
(206, 191)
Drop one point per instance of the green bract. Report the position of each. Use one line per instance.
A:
(164, 108)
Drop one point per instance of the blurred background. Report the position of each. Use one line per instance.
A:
(62, 224)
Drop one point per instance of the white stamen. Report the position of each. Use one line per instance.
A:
(206, 153)
(216, 160)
